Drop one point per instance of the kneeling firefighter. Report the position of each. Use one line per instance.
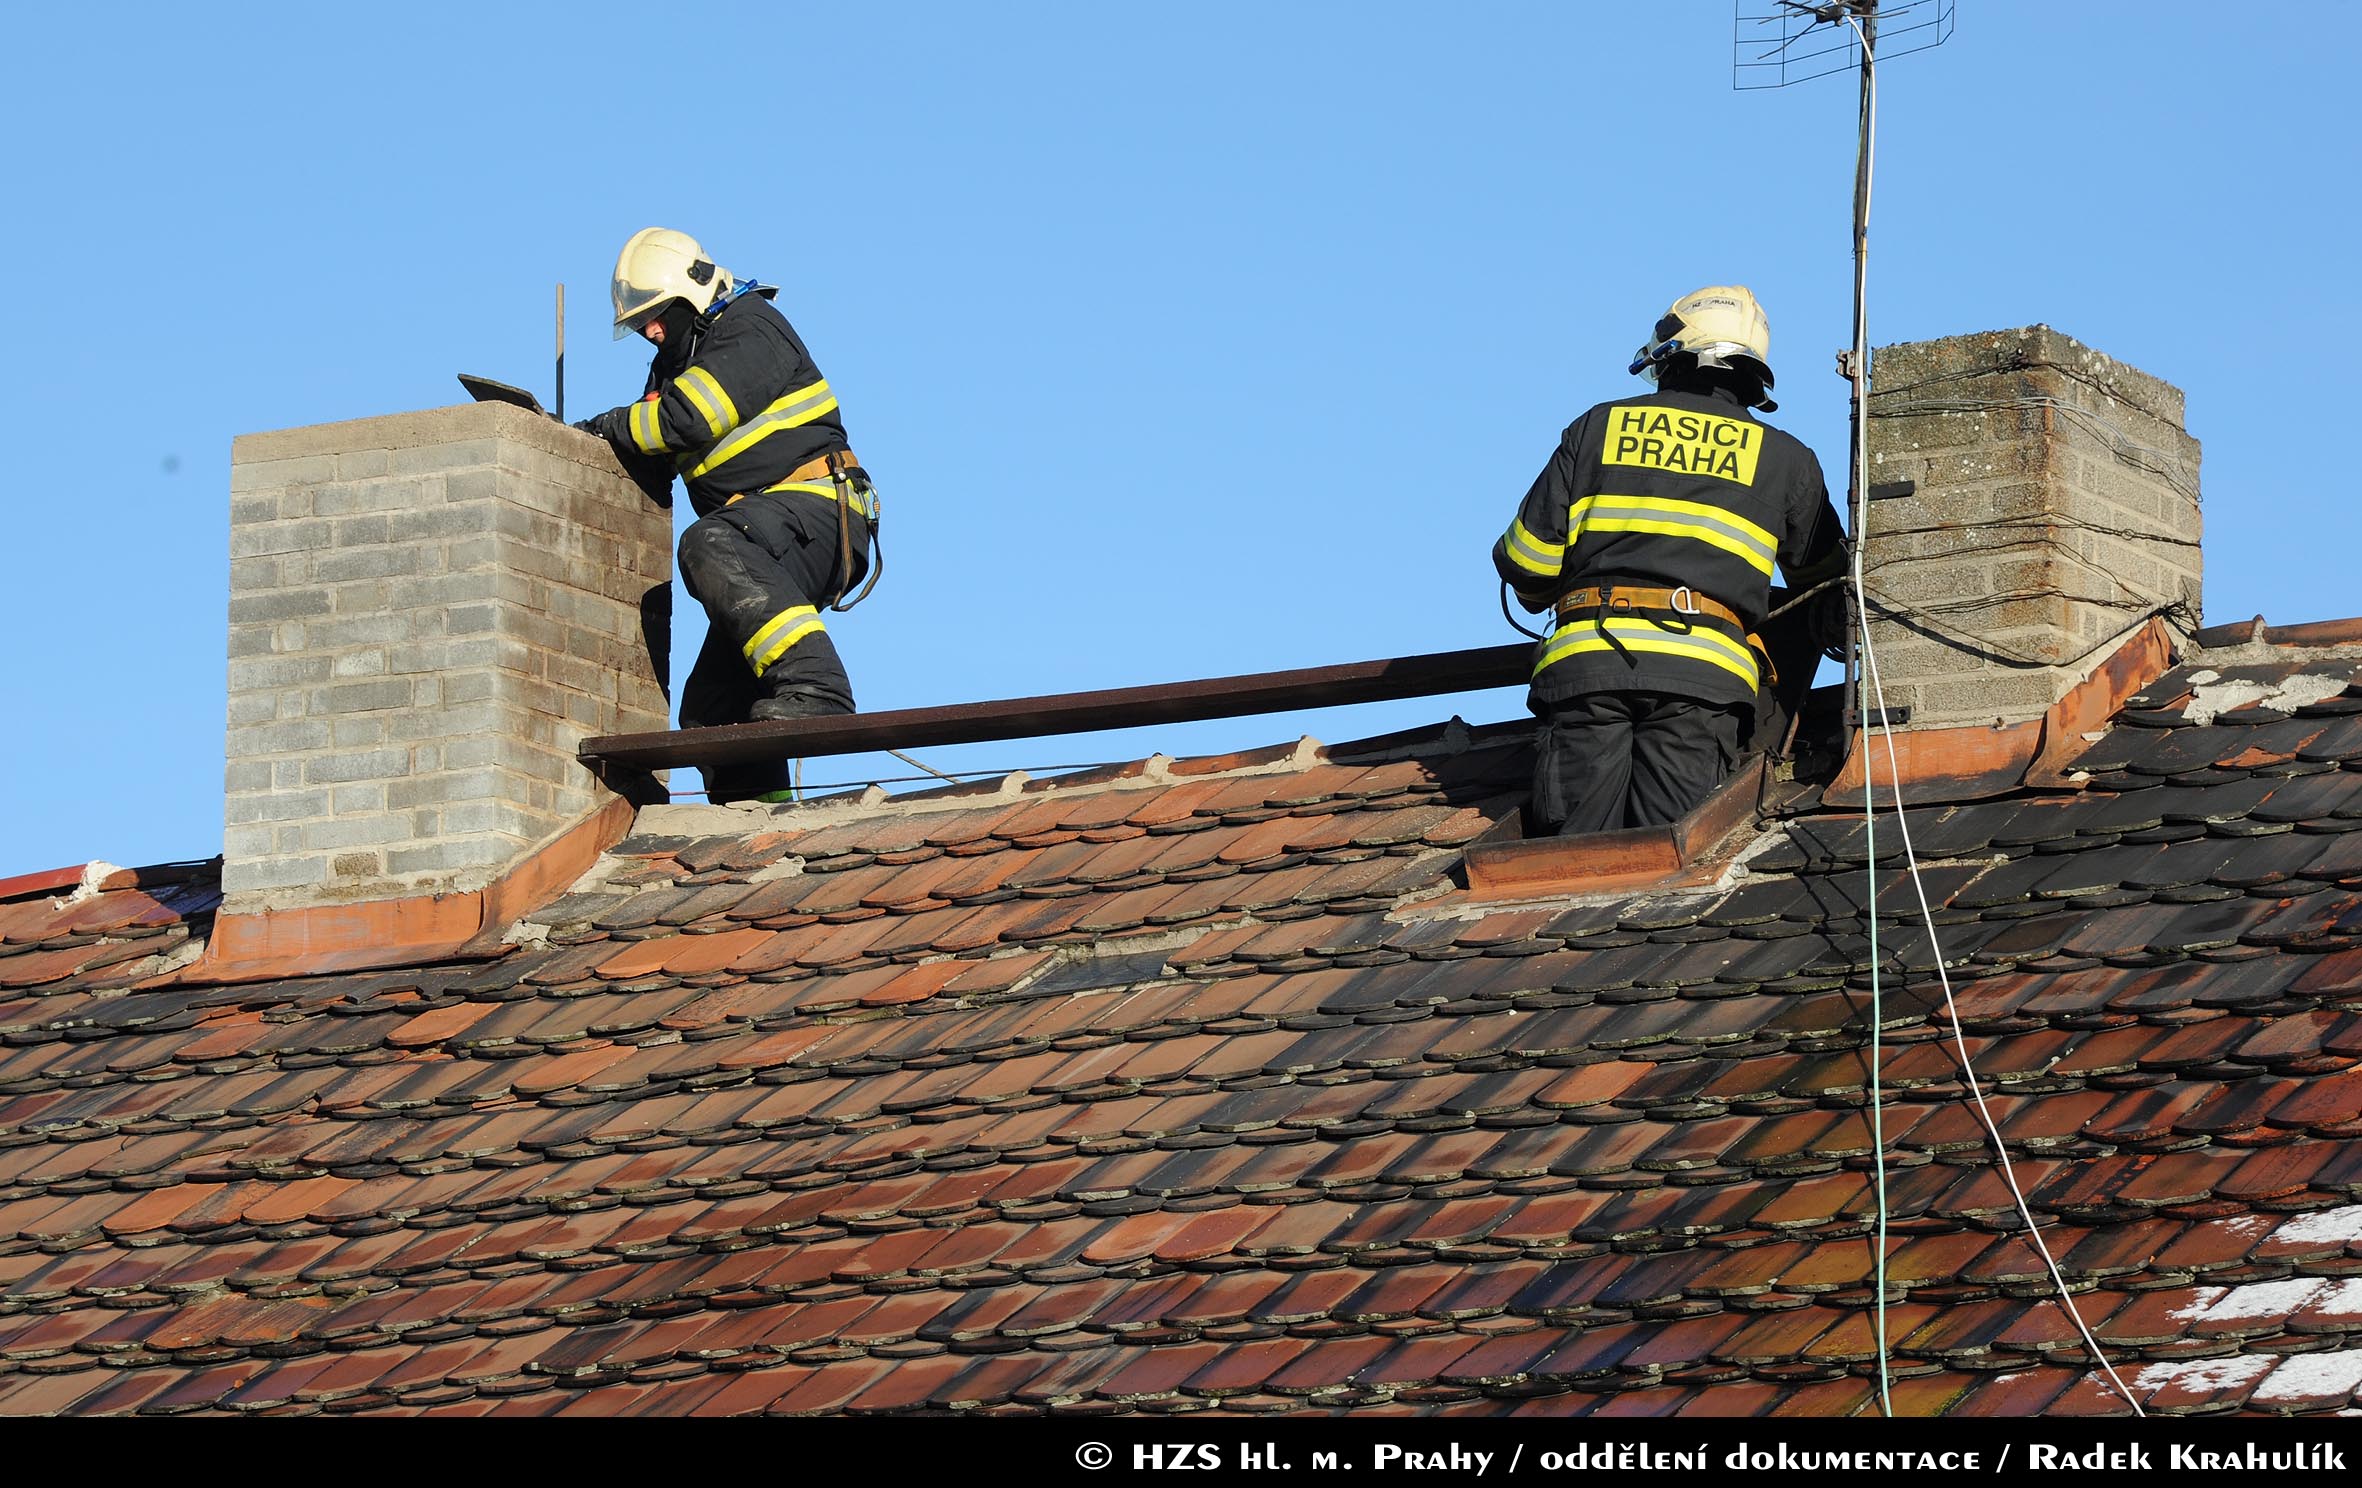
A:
(1653, 532)
(786, 516)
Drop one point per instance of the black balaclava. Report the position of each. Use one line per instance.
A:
(679, 320)
(1683, 374)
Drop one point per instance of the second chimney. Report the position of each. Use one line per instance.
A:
(428, 611)
(2056, 508)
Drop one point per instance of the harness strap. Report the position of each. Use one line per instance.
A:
(1600, 601)
(812, 469)
(840, 473)
(839, 467)
(1620, 597)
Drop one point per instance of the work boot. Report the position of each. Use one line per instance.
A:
(794, 704)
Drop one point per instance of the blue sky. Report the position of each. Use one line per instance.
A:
(1183, 341)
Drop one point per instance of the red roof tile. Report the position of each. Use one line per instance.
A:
(914, 1128)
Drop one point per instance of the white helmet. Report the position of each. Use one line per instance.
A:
(1720, 325)
(657, 266)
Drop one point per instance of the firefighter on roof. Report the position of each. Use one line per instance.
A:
(1652, 533)
(786, 516)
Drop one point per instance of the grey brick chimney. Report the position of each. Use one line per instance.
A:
(428, 612)
(2057, 507)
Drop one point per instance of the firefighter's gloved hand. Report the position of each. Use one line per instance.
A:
(1827, 619)
(614, 426)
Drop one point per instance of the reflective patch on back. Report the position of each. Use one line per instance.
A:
(1683, 442)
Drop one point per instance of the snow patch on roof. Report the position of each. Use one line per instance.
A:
(2343, 1223)
(2260, 1299)
(2210, 695)
(2312, 1376)
(2340, 1299)
(2196, 1375)
(2201, 1298)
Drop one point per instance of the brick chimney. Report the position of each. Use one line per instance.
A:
(428, 612)
(2056, 508)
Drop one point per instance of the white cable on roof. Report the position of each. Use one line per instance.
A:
(923, 765)
(1859, 457)
(1952, 1010)
(1861, 476)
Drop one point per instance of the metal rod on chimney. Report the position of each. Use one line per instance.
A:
(561, 409)
(1866, 28)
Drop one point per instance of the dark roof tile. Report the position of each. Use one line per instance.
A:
(1331, 1139)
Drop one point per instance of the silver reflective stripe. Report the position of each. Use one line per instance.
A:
(647, 430)
(779, 634)
(1728, 531)
(705, 391)
(1582, 637)
(1532, 553)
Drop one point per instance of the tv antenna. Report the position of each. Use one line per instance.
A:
(1775, 43)
(1778, 42)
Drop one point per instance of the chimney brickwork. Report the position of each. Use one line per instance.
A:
(428, 612)
(2057, 507)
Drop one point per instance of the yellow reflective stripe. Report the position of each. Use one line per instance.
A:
(864, 502)
(779, 633)
(647, 432)
(1715, 526)
(1533, 554)
(797, 408)
(1580, 637)
(705, 390)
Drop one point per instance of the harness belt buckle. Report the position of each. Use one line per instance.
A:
(1684, 602)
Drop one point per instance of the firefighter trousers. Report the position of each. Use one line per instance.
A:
(764, 566)
(1608, 760)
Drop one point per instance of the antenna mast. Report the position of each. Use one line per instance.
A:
(1814, 40)
(1793, 42)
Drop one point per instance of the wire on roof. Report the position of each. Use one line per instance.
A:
(921, 764)
(1858, 371)
(2044, 523)
(955, 776)
(1952, 1010)
(2126, 448)
(1900, 612)
(1861, 467)
(1959, 1033)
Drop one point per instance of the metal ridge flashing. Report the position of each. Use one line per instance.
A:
(101, 876)
(1974, 762)
(1619, 861)
(271, 945)
(2308, 633)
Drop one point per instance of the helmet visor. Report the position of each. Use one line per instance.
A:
(636, 305)
(1736, 355)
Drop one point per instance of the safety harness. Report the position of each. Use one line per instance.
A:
(839, 466)
(1598, 602)
(853, 496)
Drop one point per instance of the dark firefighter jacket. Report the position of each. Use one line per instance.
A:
(1660, 491)
(746, 410)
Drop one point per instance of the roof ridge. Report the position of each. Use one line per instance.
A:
(1451, 738)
